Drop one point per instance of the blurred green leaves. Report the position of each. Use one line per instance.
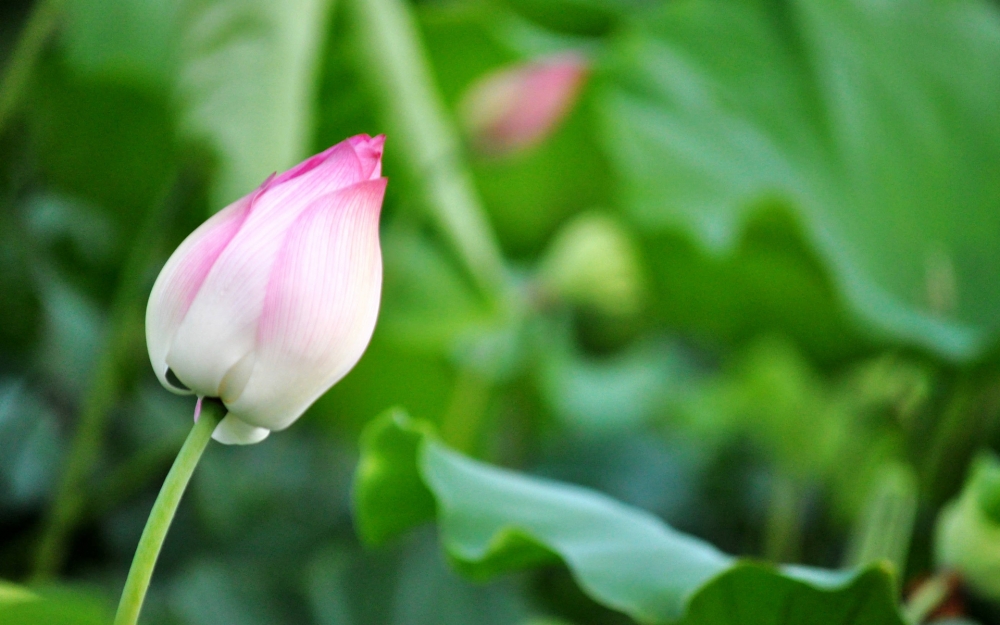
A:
(801, 184)
(410, 584)
(427, 304)
(51, 606)
(246, 84)
(494, 521)
(809, 426)
(103, 140)
(20, 306)
(237, 76)
(30, 447)
(132, 40)
(610, 394)
(839, 114)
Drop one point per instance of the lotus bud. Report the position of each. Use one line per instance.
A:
(515, 108)
(274, 299)
(593, 262)
(967, 539)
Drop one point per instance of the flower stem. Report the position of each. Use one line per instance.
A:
(393, 57)
(42, 21)
(162, 514)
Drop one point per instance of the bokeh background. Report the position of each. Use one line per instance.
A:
(747, 281)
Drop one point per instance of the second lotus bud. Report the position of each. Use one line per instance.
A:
(516, 107)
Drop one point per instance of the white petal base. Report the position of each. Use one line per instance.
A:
(232, 431)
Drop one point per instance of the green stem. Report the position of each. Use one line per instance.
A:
(393, 57)
(462, 422)
(927, 597)
(782, 533)
(123, 335)
(41, 23)
(884, 531)
(969, 419)
(163, 512)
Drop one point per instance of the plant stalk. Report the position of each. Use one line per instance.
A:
(462, 422)
(783, 531)
(39, 27)
(163, 512)
(393, 57)
(925, 599)
(885, 529)
(969, 419)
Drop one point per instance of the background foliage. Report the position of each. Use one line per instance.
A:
(780, 338)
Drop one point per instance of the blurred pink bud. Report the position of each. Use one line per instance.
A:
(274, 299)
(516, 107)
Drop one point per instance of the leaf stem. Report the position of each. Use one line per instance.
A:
(885, 529)
(926, 598)
(969, 418)
(40, 24)
(163, 512)
(393, 57)
(783, 531)
(462, 422)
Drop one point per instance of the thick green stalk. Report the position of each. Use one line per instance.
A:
(885, 529)
(123, 334)
(462, 422)
(925, 599)
(422, 131)
(163, 512)
(39, 27)
(783, 533)
(969, 418)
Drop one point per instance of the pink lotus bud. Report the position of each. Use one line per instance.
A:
(273, 299)
(517, 107)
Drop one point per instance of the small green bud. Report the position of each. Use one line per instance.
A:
(968, 529)
(593, 262)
